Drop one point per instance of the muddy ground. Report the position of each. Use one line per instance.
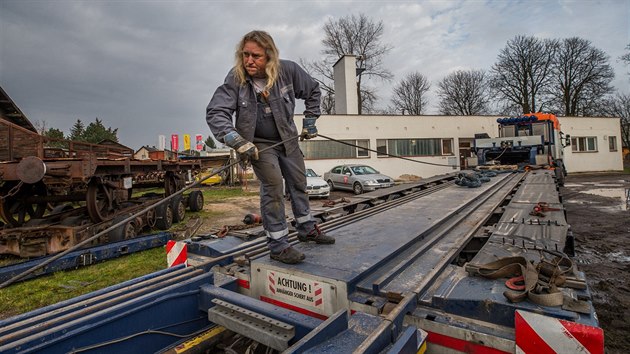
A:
(600, 221)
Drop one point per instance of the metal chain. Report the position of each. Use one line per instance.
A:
(13, 191)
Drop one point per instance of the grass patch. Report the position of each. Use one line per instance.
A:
(214, 195)
(33, 294)
(211, 194)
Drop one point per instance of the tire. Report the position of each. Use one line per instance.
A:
(123, 232)
(331, 185)
(164, 216)
(357, 188)
(195, 201)
(179, 209)
(150, 218)
(559, 172)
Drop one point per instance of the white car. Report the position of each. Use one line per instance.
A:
(315, 185)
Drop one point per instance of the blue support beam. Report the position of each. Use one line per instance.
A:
(407, 343)
(334, 325)
(86, 256)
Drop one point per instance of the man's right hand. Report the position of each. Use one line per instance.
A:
(245, 149)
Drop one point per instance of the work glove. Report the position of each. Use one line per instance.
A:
(309, 130)
(245, 149)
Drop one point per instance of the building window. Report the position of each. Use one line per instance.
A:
(447, 146)
(381, 147)
(584, 144)
(363, 146)
(612, 143)
(326, 149)
(414, 147)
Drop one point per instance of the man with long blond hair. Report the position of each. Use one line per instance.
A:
(261, 90)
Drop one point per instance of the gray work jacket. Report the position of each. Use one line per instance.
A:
(293, 82)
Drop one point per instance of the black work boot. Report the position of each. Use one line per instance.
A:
(316, 235)
(289, 256)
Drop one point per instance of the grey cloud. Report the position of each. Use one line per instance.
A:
(149, 67)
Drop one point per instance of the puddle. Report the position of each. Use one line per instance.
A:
(618, 256)
(609, 185)
(620, 193)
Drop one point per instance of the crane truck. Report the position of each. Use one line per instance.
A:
(533, 139)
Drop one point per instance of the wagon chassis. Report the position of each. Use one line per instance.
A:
(33, 185)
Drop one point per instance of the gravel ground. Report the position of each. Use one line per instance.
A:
(600, 219)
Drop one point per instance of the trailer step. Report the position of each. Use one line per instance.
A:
(273, 333)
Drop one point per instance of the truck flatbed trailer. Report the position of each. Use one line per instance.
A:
(403, 276)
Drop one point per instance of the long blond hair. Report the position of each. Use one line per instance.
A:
(264, 40)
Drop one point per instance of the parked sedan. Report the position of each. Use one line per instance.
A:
(357, 178)
(316, 186)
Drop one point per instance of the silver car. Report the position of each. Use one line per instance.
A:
(357, 178)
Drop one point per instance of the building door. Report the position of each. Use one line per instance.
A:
(465, 151)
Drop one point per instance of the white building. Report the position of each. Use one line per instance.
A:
(595, 144)
(447, 140)
(438, 144)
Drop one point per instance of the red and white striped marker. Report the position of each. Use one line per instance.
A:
(542, 334)
(176, 253)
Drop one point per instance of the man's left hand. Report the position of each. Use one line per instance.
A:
(309, 130)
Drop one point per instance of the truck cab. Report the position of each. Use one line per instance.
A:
(534, 139)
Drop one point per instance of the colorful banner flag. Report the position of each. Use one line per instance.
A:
(174, 142)
(199, 142)
(186, 142)
(161, 142)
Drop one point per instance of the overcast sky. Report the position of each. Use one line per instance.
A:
(149, 68)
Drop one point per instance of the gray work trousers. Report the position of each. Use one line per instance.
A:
(274, 168)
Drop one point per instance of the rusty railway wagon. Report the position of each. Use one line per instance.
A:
(36, 176)
(44, 179)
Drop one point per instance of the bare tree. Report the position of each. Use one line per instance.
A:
(410, 94)
(581, 77)
(328, 103)
(626, 57)
(40, 126)
(619, 106)
(353, 35)
(322, 72)
(464, 92)
(522, 72)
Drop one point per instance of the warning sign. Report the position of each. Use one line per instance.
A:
(295, 289)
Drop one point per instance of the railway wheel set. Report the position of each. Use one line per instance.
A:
(33, 213)
(21, 202)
